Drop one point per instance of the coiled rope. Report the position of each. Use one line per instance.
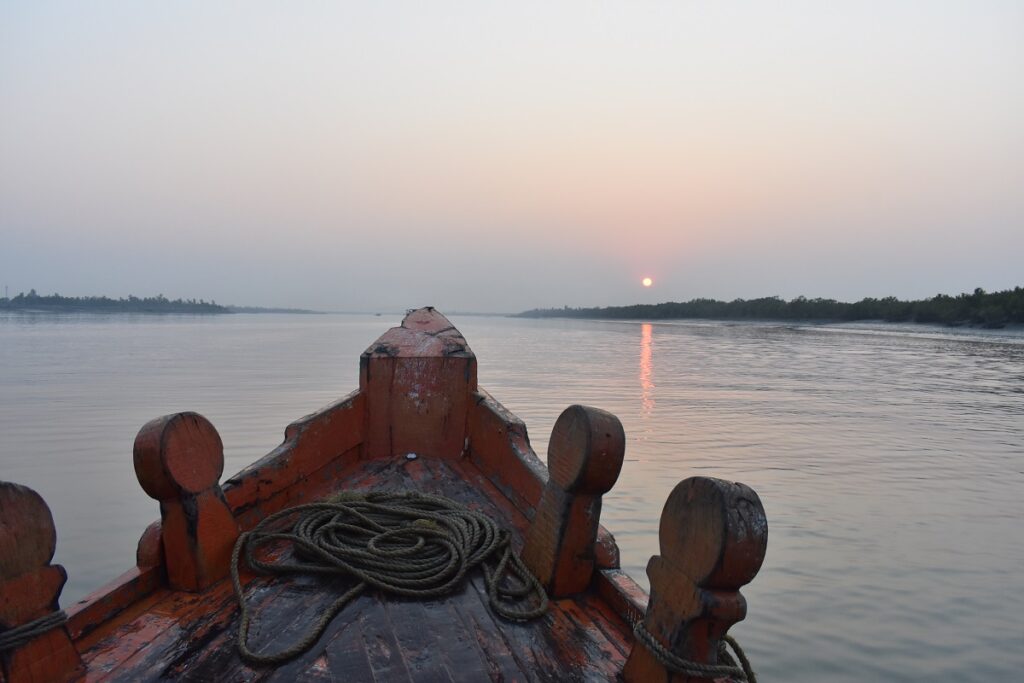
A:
(737, 668)
(13, 638)
(403, 543)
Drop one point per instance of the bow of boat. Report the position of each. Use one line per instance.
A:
(417, 423)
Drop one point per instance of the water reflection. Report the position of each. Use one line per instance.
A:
(646, 385)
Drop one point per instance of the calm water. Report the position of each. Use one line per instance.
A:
(890, 459)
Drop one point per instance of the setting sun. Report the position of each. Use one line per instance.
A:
(647, 282)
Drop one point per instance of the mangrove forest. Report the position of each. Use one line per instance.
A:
(980, 308)
(101, 304)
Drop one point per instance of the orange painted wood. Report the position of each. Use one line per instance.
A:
(713, 537)
(310, 444)
(499, 446)
(112, 599)
(191, 635)
(585, 456)
(178, 460)
(30, 588)
(150, 550)
(621, 593)
(418, 379)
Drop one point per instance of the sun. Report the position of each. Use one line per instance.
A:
(647, 282)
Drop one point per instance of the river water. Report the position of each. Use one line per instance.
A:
(890, 459)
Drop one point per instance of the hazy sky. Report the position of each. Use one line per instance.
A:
(496, 157)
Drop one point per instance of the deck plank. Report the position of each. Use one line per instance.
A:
(316, 665)
(376, 638)
(198, 619)
(532, 657)
(347, 656)
(382, 648)
(503, 664)
(596, 646)
(417, 646)
(615, 630)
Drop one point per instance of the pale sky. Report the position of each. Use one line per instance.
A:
(496, 157)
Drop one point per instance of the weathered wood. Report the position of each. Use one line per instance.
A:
(584, 456)
(179, 460)
(112, 599)
(621, 593)
(329, 438)
(191, 635)
(418, 379)
(713, 537)
(500, 448)
(30, 588)
(150, 550)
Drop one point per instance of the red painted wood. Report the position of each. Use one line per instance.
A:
(500, 448)
(30, 588)
(112, 599)
(150, 550)
(621, 593)
(712, 537)
(178, 460)
(418, 379)
(585, 456)
(327, 438)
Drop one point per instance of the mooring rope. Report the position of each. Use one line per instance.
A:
(404, 543)
(739, 671)
(13, 638)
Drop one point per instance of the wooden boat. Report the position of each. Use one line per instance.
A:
(417, 422)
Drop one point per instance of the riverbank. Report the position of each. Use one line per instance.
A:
(55, 303)
(981, 309)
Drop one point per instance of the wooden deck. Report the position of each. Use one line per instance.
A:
(191, 636)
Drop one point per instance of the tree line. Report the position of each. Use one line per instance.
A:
(980, 308)
(101, 304)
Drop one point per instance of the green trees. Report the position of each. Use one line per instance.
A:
(101, 304)
(979, 308)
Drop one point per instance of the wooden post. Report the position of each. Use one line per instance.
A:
(584, 457)
(713, 537)
(418, 381)
(179, 460)
(30, 589)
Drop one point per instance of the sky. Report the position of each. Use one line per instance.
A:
(495, 157)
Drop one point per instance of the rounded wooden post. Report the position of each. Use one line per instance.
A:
(30, 589)
(584, 457)
(713, 537)
(179, 460)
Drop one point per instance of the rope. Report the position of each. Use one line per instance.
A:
(13, 638)
(741, 671)
(409, 544)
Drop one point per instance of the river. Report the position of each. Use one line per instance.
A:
(889, 458)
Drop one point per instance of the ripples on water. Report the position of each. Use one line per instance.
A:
(890, 459)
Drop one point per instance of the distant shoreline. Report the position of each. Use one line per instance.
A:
(993, 310)
(261, 309)
(155, 305)
(55, 303)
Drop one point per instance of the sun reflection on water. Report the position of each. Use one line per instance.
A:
(646, 385)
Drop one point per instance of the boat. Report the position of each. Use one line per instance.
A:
(417, 427)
